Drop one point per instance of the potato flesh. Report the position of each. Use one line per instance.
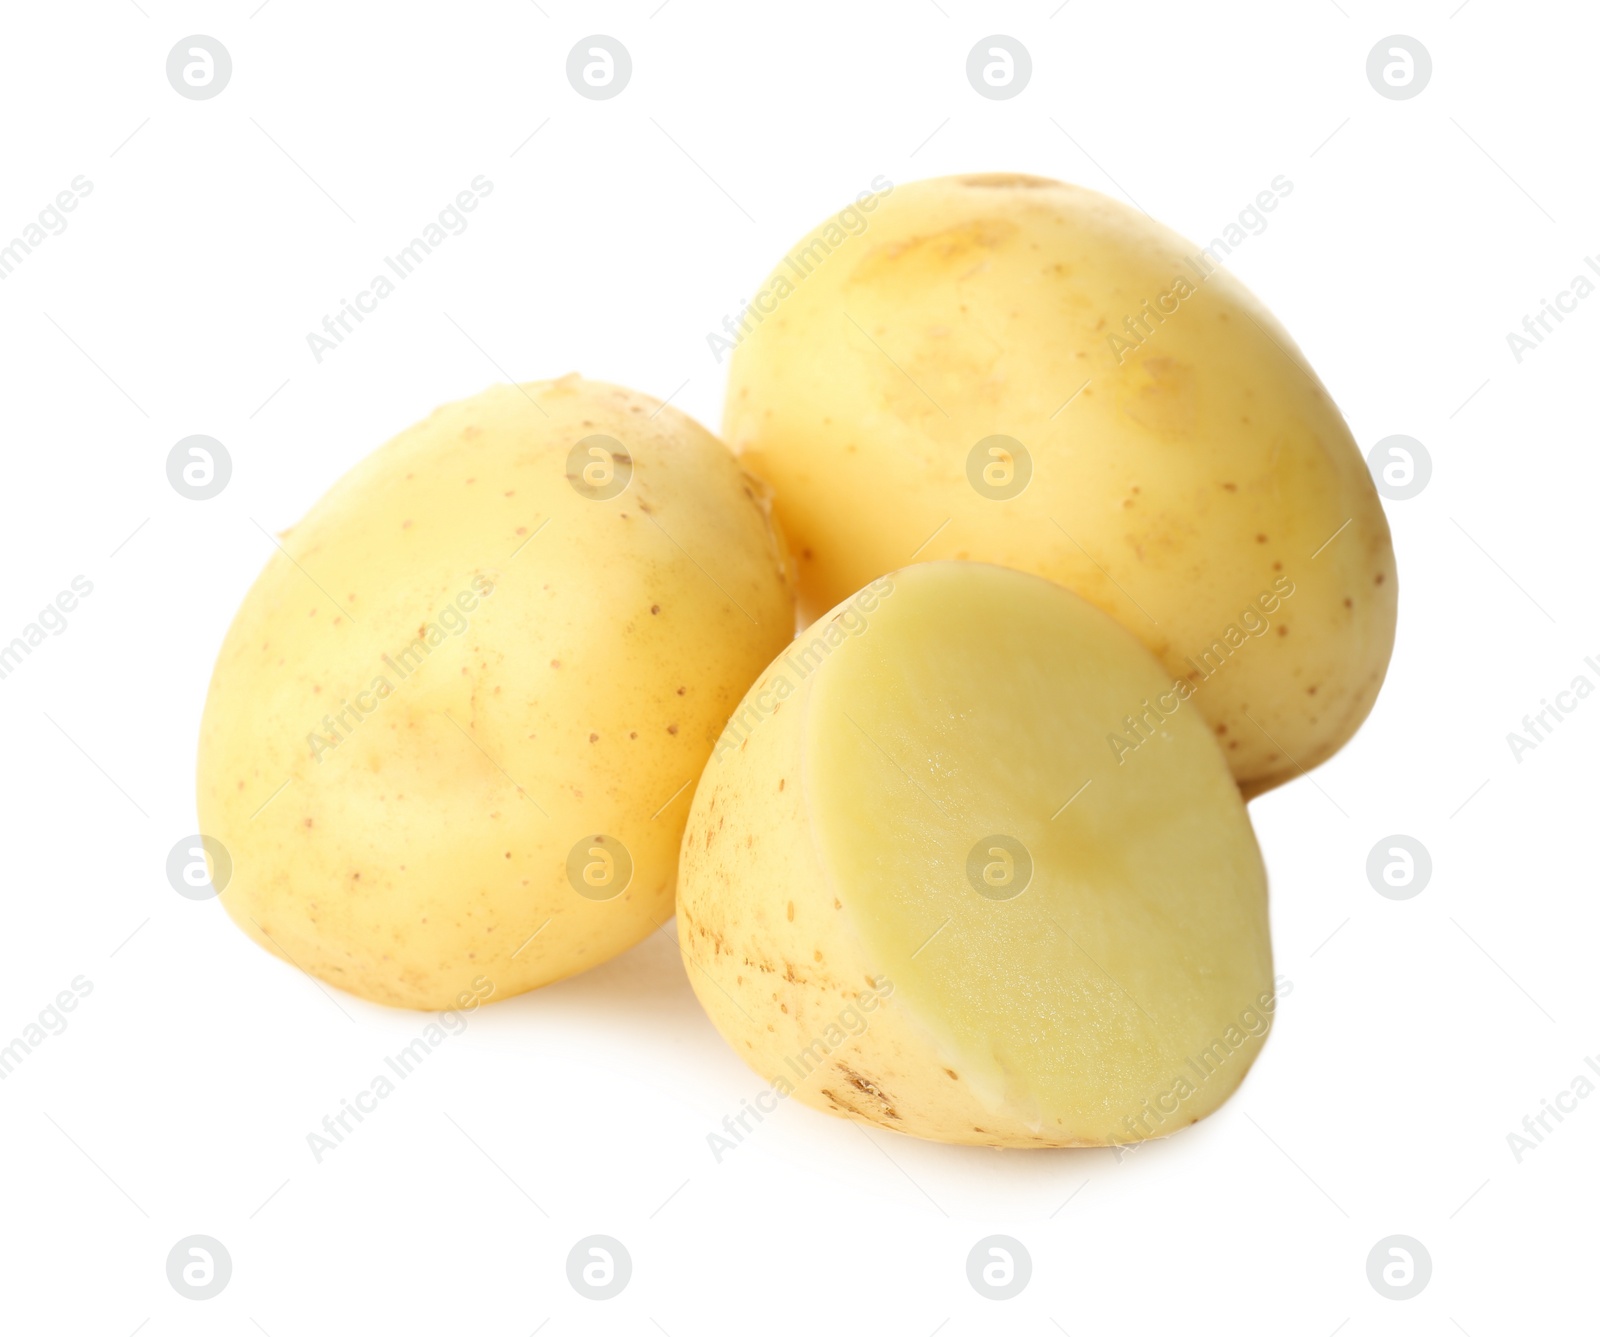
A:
(976, 702)
(1187, 475)
(979, 703)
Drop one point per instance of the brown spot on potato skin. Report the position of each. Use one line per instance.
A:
(871, 1090)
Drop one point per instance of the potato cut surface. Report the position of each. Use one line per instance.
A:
(1067, 944)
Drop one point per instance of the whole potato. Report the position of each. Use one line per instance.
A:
(1013, 370)
(452, 733)
(918, 891)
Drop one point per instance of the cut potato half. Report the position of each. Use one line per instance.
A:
(922, 889)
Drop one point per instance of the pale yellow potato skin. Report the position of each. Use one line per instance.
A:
(776, 961)
(1192, 469)
(784, 969)
(420, 854)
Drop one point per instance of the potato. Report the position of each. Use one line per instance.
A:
(918, 890)
(451, 734)
(1013, 370)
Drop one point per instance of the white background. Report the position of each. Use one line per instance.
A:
(1419, 1033)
